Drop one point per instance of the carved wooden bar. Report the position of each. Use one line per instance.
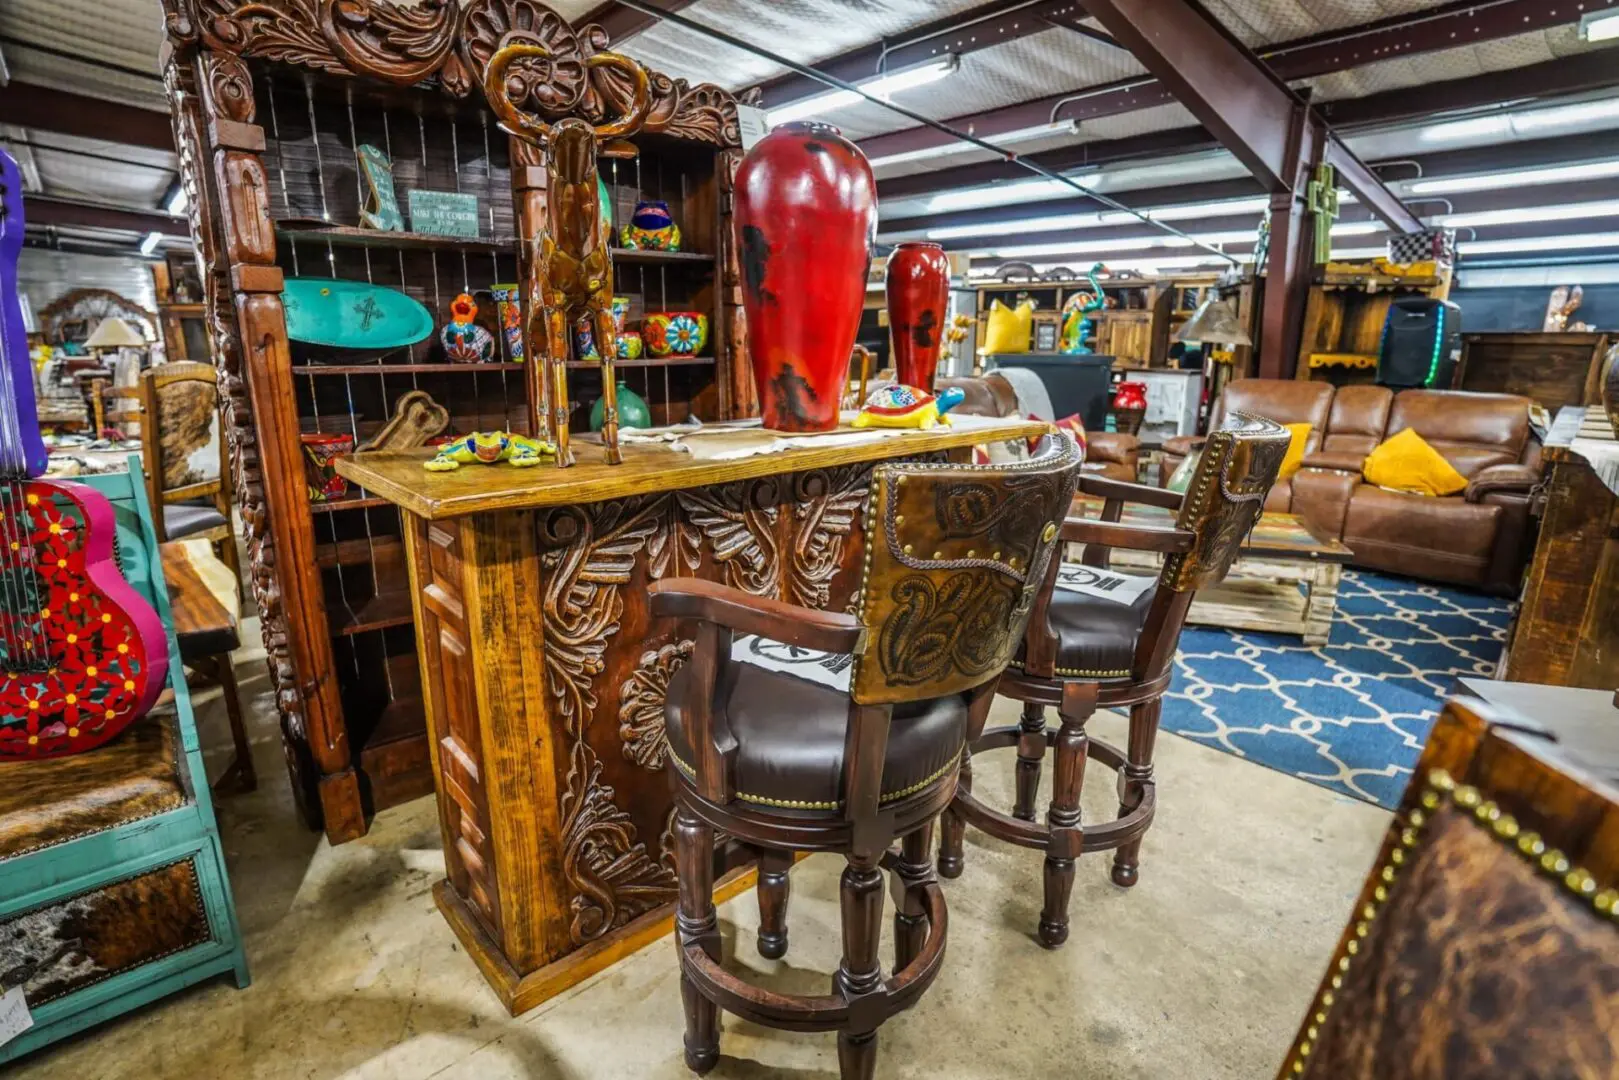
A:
(544, 675)
(270, 100)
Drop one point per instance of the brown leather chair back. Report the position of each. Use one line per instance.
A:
(1483, 944)
(1226, 495)
(1360, 415)
(1473, 431)
(1286, 401)
(183, 443)
(955, 555)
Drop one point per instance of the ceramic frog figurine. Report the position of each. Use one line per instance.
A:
(490, 447)
(900, 406)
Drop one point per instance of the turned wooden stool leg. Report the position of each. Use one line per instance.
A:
(911, 872)
(860, 973)
(1067, 782)
(238, 776)
(1133, 781)
(953, 827)
(1031, 750)
(696, 924)
(773, 890)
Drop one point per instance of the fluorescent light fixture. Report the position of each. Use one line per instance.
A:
(1599, 26)
(999, 195)
(883, 86)
(1523, 215)
(1554, 174)
(1174, 262)
(178, 201)
(1064, 222)
(1004, 138)
(1505, 125)
(1357, 228)
(149, 245)
(1539, 243)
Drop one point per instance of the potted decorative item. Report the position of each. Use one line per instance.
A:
(464, 341)
(584, 341)
(651, 228)
(918, 290)
(1129, 406)
(806, 223)
(629, 345)
(632, 410)
(321, 451)
(509, 309)
(675, 333)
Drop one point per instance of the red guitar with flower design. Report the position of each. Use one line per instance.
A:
(82, 654)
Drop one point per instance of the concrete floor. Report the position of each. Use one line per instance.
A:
(1201, 971)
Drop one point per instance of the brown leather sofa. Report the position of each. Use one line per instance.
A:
(1478, 538)
(1112, 454)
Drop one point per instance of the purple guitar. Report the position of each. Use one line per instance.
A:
(82, 654)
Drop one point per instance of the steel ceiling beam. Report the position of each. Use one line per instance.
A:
(1553, 78)
(63, 213)
(44, 109)
(621, 22)
(990, 24)
(1460, 22)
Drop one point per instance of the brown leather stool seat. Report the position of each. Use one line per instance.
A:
(1096, 638)
(790, 735)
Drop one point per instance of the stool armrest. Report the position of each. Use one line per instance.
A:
(1104, 488)
(1166, 539)
(709, 601)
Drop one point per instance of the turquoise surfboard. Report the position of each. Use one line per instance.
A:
(352, 314)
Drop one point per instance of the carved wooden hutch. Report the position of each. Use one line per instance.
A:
(270, 101)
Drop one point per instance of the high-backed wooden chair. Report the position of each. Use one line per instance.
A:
(1485, 941)
(184, 449)
(1086, 650)
(954, 559)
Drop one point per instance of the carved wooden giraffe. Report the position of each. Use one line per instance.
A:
(572, 275)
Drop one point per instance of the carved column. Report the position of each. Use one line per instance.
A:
(738, 397)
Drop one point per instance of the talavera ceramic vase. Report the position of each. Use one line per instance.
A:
(806, 221)
(918, 290)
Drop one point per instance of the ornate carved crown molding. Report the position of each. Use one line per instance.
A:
(449, 42)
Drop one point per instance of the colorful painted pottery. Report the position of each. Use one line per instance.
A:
(584, 341)
(675, 333)
(918, 291)
(1129, 406)
(632, 410)
(651, 228)
(899, 406)
(464, 341)
(621, 312)
(629, 345)
(806, 221)
(321, 451)
(509, 308)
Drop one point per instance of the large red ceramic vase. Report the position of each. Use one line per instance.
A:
(806, 222)
(918, 290)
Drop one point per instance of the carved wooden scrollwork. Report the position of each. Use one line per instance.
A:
(641, 700)
(613, 876)
(825, 505)
(227, 87)
(739, 521)
(452, 40)
(591, 556)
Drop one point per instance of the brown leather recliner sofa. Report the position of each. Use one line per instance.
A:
(1478, 538)
(1112, 454)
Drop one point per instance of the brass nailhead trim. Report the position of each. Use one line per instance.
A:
(791, 804)
(1441, 788)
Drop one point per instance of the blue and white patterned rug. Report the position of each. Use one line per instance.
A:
(1351, 715)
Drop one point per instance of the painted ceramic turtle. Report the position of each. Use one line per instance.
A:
(899, 406)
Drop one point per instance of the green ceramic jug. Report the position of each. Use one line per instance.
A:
(632, 410)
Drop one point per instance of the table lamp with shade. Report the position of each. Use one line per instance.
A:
(116, 336)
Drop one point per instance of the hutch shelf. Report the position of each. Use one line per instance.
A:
(271, 102)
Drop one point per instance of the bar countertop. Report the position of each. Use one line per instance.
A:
(398, 476)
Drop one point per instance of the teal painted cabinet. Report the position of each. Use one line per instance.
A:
(112, 879)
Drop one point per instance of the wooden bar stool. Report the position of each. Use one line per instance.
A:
(1086, 650)
(954, 559)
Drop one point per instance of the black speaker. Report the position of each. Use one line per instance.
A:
(1421, 338)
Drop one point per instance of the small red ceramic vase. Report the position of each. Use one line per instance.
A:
(1130, 395)
(806, 224)
(918, 290)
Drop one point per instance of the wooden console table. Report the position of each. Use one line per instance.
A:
(543, 674)
(1567, 631)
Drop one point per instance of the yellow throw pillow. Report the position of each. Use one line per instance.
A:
(1008, 329)
(1295, 449)
(1407, 463)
